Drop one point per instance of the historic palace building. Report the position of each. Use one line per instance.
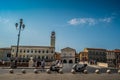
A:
(117, 56)
(95, 54)
(111, 58)
(36, 52)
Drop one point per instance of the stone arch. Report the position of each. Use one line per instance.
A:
(70, 61)
(64, 61)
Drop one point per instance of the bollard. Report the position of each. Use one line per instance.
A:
(48, 71)
(35, 71)
(85, 72)
(73, 71)
(23, 71)
(108, 71)
(61, 71)
(11, 71)
(118, 71)
(97, 71)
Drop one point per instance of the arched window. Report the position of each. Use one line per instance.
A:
(64, 61)
(47, 51)
(70, 61)
(31, 51)
(43, 51)
(27, 51)
(39, 51)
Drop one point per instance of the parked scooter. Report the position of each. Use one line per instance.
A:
(56, 67)
(79, 67)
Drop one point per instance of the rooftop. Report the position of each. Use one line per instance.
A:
(34, 46)
(95, 49)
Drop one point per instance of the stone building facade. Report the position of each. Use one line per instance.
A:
(5, 53)
(68, 55)
(37, 52)
(83, 56)
(117, 56)
(96, 54)
(111, 58)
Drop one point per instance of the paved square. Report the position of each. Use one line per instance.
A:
(57, 76)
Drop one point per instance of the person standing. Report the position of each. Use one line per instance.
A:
(42, 65)
(37, 63)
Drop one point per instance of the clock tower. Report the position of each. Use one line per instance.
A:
(53, 39)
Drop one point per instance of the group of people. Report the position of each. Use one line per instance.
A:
(40, 64)
(93, 62)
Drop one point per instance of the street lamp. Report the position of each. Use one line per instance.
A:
(19, 27)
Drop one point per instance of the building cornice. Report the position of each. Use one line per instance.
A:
(95, 49)
(33, 46)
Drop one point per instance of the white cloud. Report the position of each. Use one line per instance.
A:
(89, 21)
(4, 20)
(106, 19)
(73, 21)
(76, 21)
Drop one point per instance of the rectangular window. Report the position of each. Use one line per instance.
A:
(31, 51)
(27, 51)
(39, 51)
(24, 51)
(20, 50)
(35, 51)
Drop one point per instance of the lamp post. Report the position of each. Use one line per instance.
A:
(19, 27)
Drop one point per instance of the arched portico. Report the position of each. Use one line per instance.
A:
(64, 61)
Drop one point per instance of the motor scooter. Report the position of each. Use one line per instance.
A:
(79, 67)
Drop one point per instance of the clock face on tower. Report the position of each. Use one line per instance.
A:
(53, 33)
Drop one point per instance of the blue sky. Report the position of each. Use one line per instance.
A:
(78, 23)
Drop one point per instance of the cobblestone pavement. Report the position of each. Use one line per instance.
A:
(67, 75)
(56, 76)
